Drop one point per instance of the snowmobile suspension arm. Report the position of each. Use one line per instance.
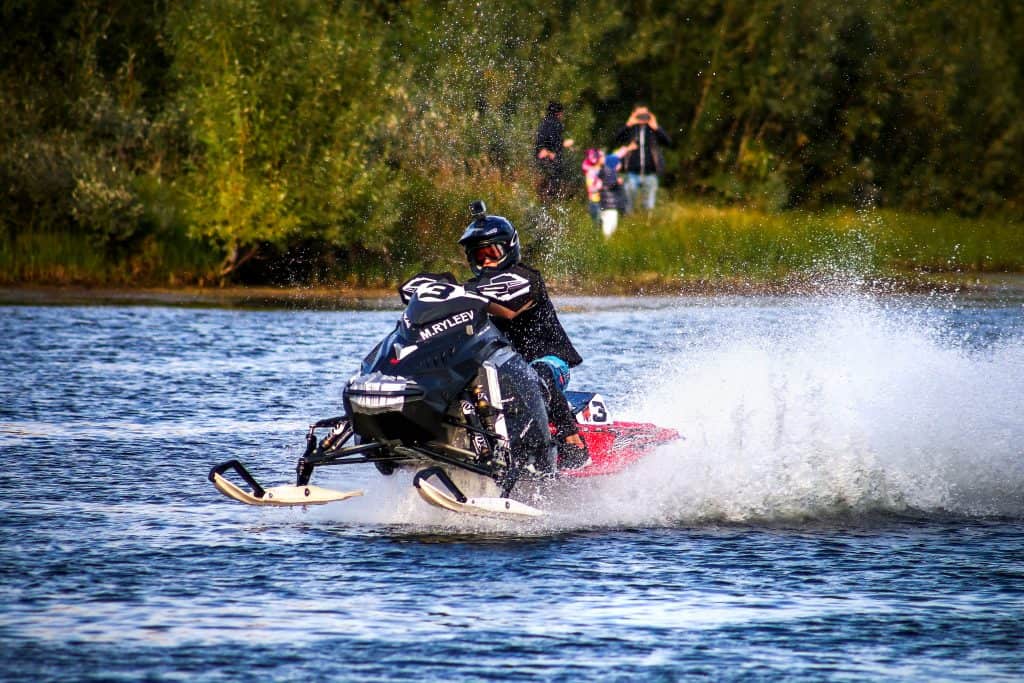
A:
(432, 454)
(313, 458)
(477, 430)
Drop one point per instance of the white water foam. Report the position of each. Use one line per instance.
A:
(862, 409)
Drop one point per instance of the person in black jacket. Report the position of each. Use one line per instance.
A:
(613, 197)
(548, 149)
(521, 308)
(612, 193)
(645, 163)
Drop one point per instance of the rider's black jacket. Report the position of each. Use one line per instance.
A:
(535, 332)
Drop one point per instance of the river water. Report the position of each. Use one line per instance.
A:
(848, 503)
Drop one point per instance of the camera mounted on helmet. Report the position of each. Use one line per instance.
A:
(491, 242)
(477, 209)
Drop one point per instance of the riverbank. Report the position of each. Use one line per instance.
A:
(685, 246)
(201, 297)
(986, 286)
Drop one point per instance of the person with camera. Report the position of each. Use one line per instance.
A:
(645, 162)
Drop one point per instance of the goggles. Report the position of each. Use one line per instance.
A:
(490, 252)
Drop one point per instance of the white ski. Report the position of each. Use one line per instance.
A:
(487, 507)
(282, 495)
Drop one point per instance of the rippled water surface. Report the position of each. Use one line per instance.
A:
(848, 503)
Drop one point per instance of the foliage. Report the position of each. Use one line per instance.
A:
(299, 141)
(856, 102)
(286, 138)
(694, 242)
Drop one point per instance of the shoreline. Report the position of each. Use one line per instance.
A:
(316, 298)
(985, 285)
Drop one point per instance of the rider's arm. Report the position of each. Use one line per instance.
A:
(507, 313)
(509, 293)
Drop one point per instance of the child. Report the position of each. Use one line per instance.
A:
(591, 168)
(611, 195)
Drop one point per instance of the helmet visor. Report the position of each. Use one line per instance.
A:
(490, 253)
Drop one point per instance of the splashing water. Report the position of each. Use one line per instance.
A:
(858, 409)
(791, 409)
(850, 408)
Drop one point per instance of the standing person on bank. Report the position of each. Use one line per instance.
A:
(645, 163)
(591, 166)
(548, 150)
(612, 194)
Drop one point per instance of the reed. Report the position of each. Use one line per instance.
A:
(66, 258)
(688, 241)
(682, 241)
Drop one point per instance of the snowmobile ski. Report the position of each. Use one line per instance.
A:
(278, 496)
(455, 501)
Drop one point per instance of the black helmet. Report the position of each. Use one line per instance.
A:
(490, 238)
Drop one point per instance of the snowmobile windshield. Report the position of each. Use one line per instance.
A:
(439, 301)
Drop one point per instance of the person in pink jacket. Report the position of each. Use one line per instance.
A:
(592, 163)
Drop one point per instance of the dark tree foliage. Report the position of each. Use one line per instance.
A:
(349, 130)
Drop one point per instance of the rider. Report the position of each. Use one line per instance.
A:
(522, 310)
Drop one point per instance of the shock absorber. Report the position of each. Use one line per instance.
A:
(471, 412)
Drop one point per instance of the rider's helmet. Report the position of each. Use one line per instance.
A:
(489, 239)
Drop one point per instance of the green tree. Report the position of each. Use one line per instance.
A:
(283, 100)
(77, 83)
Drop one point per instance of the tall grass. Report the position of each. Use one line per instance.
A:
(64, 258)
(686, 241)
(680, 242)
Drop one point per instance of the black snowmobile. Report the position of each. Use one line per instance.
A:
(444, 393)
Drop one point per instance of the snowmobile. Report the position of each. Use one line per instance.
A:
(446, 397)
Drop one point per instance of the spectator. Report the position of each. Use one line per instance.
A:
(612, 196)
(645, 163)
(612, 192)
(548, 150)
(591, 171)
